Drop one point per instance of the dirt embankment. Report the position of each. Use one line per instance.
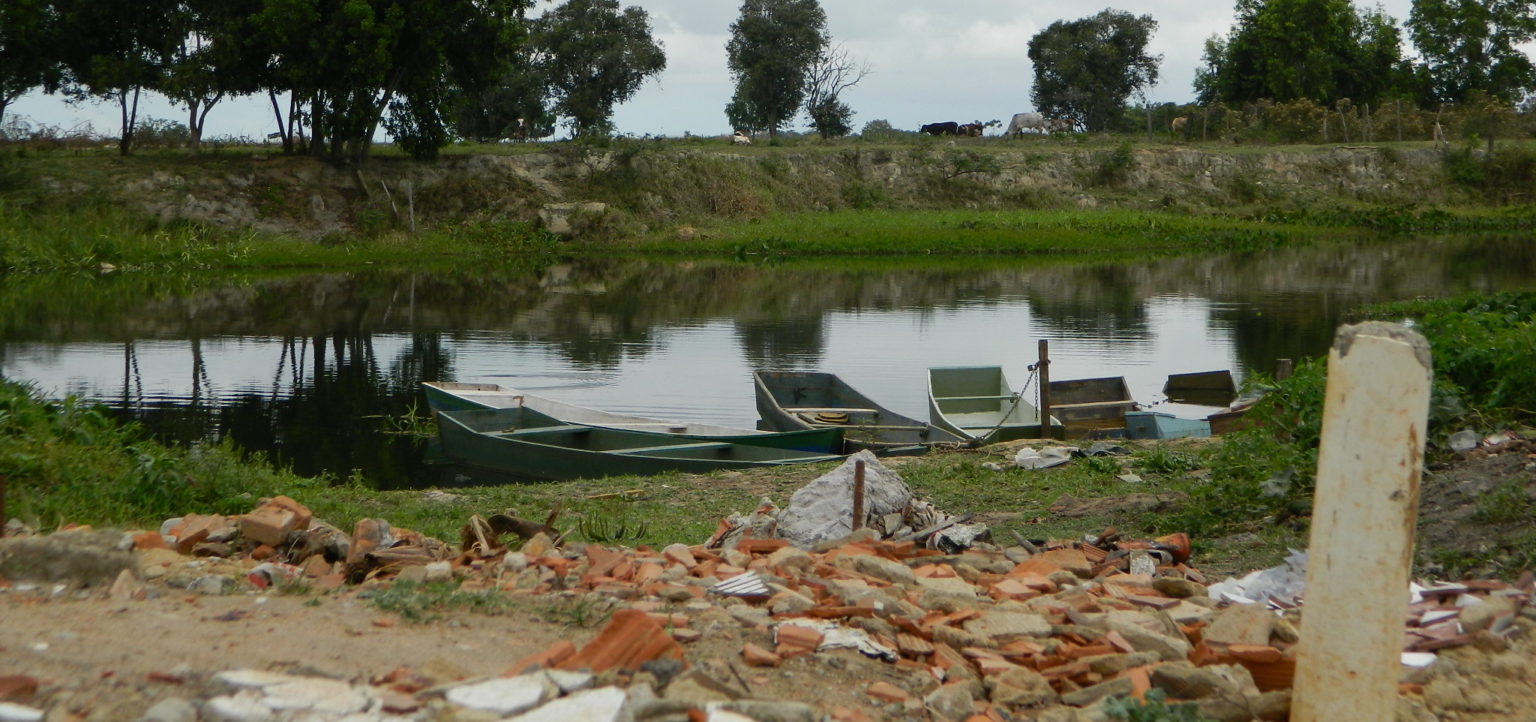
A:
(648, 190)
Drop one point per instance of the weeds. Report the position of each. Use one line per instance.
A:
(1510, 501)
(420, 603)
(1155, 708)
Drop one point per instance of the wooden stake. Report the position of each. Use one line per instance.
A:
(1283, 369)
(1371, 452)
(858, 495)
(1045, 388)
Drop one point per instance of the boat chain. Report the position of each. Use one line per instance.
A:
(1017, 398)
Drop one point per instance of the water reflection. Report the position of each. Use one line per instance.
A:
(302, 367)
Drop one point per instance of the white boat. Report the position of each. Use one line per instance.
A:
(977, 403)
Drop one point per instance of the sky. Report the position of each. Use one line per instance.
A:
(960, 60)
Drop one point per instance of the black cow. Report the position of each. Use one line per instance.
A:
(950, 128)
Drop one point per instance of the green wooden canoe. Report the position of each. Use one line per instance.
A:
(457, 396)
(977, 403)
(524, 442)
(790, 400)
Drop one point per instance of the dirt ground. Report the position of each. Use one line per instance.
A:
(98, 659)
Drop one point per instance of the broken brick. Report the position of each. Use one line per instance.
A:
(756, 656)
(629, 639)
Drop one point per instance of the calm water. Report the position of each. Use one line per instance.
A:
(303, 366)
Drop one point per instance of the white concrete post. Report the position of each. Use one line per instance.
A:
(1367, 499)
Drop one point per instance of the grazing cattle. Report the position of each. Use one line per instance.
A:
(971, 130)
(1061, 125)
(1177, 126)
(741, 138)
(1025, 121)
(949, 128)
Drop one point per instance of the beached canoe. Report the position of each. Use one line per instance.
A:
(456, 396)
(788, 400)
(524, 442)
(977, 403)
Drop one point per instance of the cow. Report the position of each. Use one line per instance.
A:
(1061, 125)
(949, 128)
(741, 138)
(1178, 124)
(1023, 121)
(971, 130)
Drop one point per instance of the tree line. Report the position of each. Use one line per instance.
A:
(1322, 51)
(336, 71)
(428, 71)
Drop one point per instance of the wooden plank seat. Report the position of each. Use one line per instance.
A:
(1008, 397)
(537, 430)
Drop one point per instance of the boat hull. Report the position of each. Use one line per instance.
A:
(790, 400)
(1155, 425)
(525, 443)
(456, 396)
(1091, 402)
(977, 403)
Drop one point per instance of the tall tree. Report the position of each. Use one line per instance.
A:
(348, 61)
(113, 51)
(773, 45)
(26, 60)
(1471, 45)
(211, 61)
(1320, 50)
(594, 56)
(833, 72)
(1085, 69)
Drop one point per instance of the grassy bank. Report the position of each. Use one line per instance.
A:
(160, 212)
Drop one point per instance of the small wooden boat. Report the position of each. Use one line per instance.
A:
(456, 396)
(1158, 425)
(976, 402)
(1203, 388)
(1091, 402)
(788, 400)
(526, 443)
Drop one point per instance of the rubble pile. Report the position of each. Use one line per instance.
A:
(1039, 629)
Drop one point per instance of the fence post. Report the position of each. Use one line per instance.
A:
(1371, 453)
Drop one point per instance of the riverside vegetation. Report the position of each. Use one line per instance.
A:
(1245, 497)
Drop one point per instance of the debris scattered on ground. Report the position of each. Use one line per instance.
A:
(1040, 629)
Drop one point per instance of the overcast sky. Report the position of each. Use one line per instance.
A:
(959, 60)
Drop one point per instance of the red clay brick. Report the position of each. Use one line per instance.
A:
(630, 638)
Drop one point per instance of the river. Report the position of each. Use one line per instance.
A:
(311, 368)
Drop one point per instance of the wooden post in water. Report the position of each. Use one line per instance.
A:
(1283, 369)
(1371, 452)
(858, 495)
(1045, 388)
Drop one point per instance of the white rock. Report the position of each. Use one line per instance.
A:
(439, 572)
(241, 707)
(514, 562)
(594, 705)
(317, 694)
(569, 681)
(253, 678)
(170, 709)
(820, 510)
(504, 696)
(17, 713)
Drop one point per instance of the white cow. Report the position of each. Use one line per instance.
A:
(1021, 121)
(741, 138)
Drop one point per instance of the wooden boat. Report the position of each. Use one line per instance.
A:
(1091, 402)
(976, 402)
(524, 442)
(455, 396)
(788, 400)
(1158, 425)
(1203, 388)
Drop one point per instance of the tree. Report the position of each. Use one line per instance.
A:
(346, 61)
(1470, 45)
(773, 45)
(26, 61)
(1085, 69)
(833, 72)
(1319, 50)
(212, 59)
(514, 107)
(113, 51)
(595, 56)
